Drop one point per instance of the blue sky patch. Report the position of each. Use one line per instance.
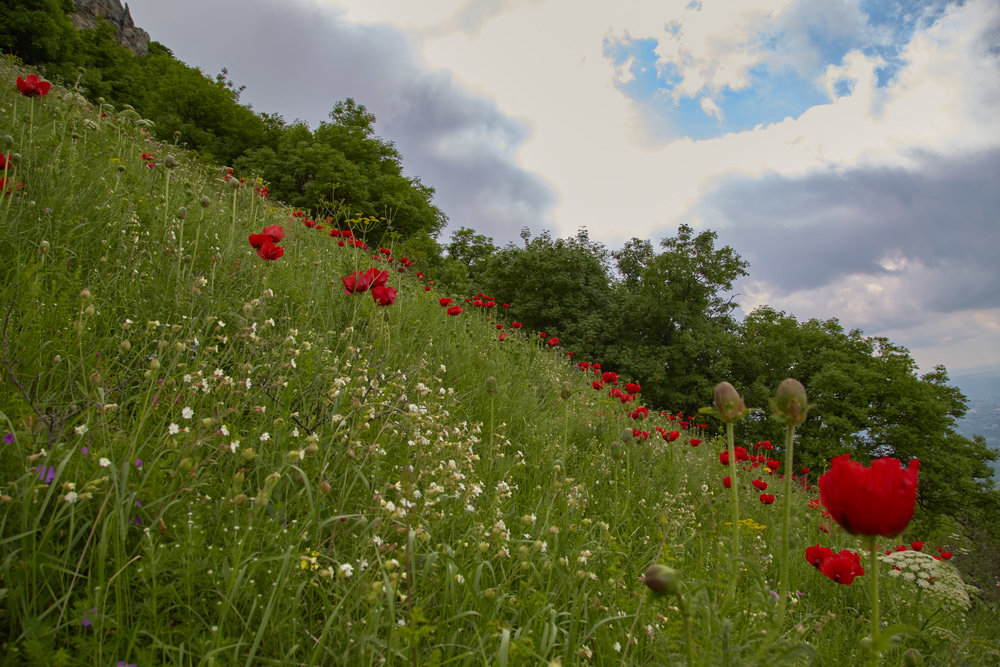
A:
(775, 92)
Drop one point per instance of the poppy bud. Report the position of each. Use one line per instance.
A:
(182, 213)
(913, 658)
(85, 294)
(491, 385)
(121, 168)
(89, 310)
(206, 202)
(790, 403)
(14, 159)
(728, 403)
(154, 365)
(565, 392)
(617, 451)
(240, 499)
(663, 580)
(238, 479)
(44, 246)
(7, 141)
(125, 345)
(627, 435)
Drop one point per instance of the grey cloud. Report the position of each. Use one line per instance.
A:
(804, 233)
(299, 60)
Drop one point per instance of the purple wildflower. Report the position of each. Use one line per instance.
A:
(9, 438)
(46, 473)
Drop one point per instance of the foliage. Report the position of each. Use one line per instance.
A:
(38, 31)
(208, 457)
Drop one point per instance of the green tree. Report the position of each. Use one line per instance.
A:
(39, 31)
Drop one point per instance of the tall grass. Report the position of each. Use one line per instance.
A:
(214, 459)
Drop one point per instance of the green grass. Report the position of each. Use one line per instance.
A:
(327, 481)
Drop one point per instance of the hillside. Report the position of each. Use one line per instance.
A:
(215, 453)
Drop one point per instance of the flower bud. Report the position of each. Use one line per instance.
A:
(913, 658)
(95, 378)
(238, 479)
(89, 310)
(170, 161)
(728, 404)
(85, 294)
(44, 246)
(206, 202)
(790, 403)
(182, 213)
(240, 499)
(617, 451)
(491, 385)
(565, 392)
(154, 365)
(14, 159)
(186, 465)
(627, 435)
(663, 580)
(6, 141)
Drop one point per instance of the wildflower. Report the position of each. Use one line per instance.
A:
(767, 498)
(455, 310)
(727, 481)
(173, 429)
(9, 439)
(362, 281)
(104, 462)
(81, 429)
(346, 570)
(444, 301)
(187, 412)
(760, 484)
(870, 501)
(842, 567)
(33, 86)
(46, 474)
(384, 295)
(553, 342)
(275, 232)
(265, 436)
(71, 497)
(515, 325)
(817, 554)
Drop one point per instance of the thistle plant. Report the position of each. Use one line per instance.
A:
(790, 408)
(729, 407)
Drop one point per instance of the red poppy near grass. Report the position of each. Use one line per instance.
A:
(444, 301)
(270, 251)
(767, 498)
(878, 500)
(553, 342)
(363, 281)
(695, 442)
(275, 232)
(727, 481)
(455, 310)
(33, 86)
(760, 484)
(842, 567)
(384, 295)
(516, 325)
(502, 336)
(817, 554)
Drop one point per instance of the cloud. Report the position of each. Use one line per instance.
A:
(300, 59)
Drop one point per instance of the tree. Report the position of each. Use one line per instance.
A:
(38, 31)
(471, 249)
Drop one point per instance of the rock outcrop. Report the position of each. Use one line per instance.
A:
(88, 12)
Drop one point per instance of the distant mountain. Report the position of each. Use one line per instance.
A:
(982, 387)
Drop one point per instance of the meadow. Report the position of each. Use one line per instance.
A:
(227, 441)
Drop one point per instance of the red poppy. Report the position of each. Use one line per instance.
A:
(695, 442)
(542, 334)
(5, 185)
(270, 251)
(257, 241)
(346, 233)
(445, 301)
(842, 567)
(671, 436)
(767, 498)
(362, 282)
(946, 555)
(516, 325)
(553, 342)
(640, 435)
(917, 546)
(455, 310)
(639, 413)
(502, 336)
(870, 501)
(33, 86)
(384, 295)
(610, 377)
(597, 384)
(817, 554)
(275, 232)
(632, 388)
(727, 481)
(760, 484)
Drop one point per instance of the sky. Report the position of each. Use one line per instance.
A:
(848, 149)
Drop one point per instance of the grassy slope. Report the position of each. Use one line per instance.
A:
(474, 527)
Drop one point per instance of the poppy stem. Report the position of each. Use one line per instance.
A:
(785, 524)
(873, 566)
(734, 493)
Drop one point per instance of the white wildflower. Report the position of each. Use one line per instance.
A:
(173, 429)
(187, 412)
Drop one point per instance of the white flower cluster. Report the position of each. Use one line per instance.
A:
(939, 580)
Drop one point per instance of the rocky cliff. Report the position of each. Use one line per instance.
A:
(88, 12)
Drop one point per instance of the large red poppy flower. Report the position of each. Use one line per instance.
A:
(362, 281)
(275, 232)
(870, 501)
(33, 86)
(842, 567)
(384, 295)
(455, 310)
(270, 251)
